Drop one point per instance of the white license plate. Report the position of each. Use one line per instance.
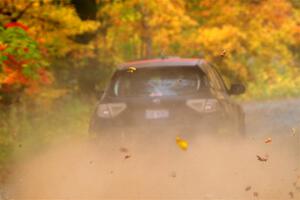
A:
(156, 114)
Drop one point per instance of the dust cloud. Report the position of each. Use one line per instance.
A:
(211, 168)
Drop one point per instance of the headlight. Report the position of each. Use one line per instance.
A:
(110, 110)
(203, 105)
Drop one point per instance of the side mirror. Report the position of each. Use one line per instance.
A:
(237, 89)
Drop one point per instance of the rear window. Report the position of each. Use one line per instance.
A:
(154, 82)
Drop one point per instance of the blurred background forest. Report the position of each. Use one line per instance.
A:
(56, 54)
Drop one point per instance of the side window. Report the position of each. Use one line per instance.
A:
(220, 79)
(213, 78)
(227, 82)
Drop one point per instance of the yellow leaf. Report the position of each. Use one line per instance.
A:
(182, 144)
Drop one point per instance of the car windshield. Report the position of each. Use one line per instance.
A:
(153, 82)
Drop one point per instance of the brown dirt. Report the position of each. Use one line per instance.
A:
(211, 168)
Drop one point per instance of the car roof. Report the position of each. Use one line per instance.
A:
(162, 62)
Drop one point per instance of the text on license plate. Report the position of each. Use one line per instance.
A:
(156, 114)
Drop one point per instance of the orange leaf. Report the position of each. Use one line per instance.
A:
(268, 140)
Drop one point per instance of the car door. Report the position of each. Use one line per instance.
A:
(236, 110)
(221, 92)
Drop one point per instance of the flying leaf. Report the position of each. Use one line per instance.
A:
(223, 53)
(127, 157)
(248, 188)
(181, 143)
(268, 140)
(262, 159)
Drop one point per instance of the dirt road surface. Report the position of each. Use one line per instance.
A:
(265, 165)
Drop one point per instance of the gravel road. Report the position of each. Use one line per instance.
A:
(211, 168)
(277, 117)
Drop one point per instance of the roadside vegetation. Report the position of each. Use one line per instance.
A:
(55, 55)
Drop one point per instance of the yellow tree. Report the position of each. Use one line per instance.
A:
(150, 26)
(255, 34)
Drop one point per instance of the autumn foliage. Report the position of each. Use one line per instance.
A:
(22, 66)
(82, 42)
